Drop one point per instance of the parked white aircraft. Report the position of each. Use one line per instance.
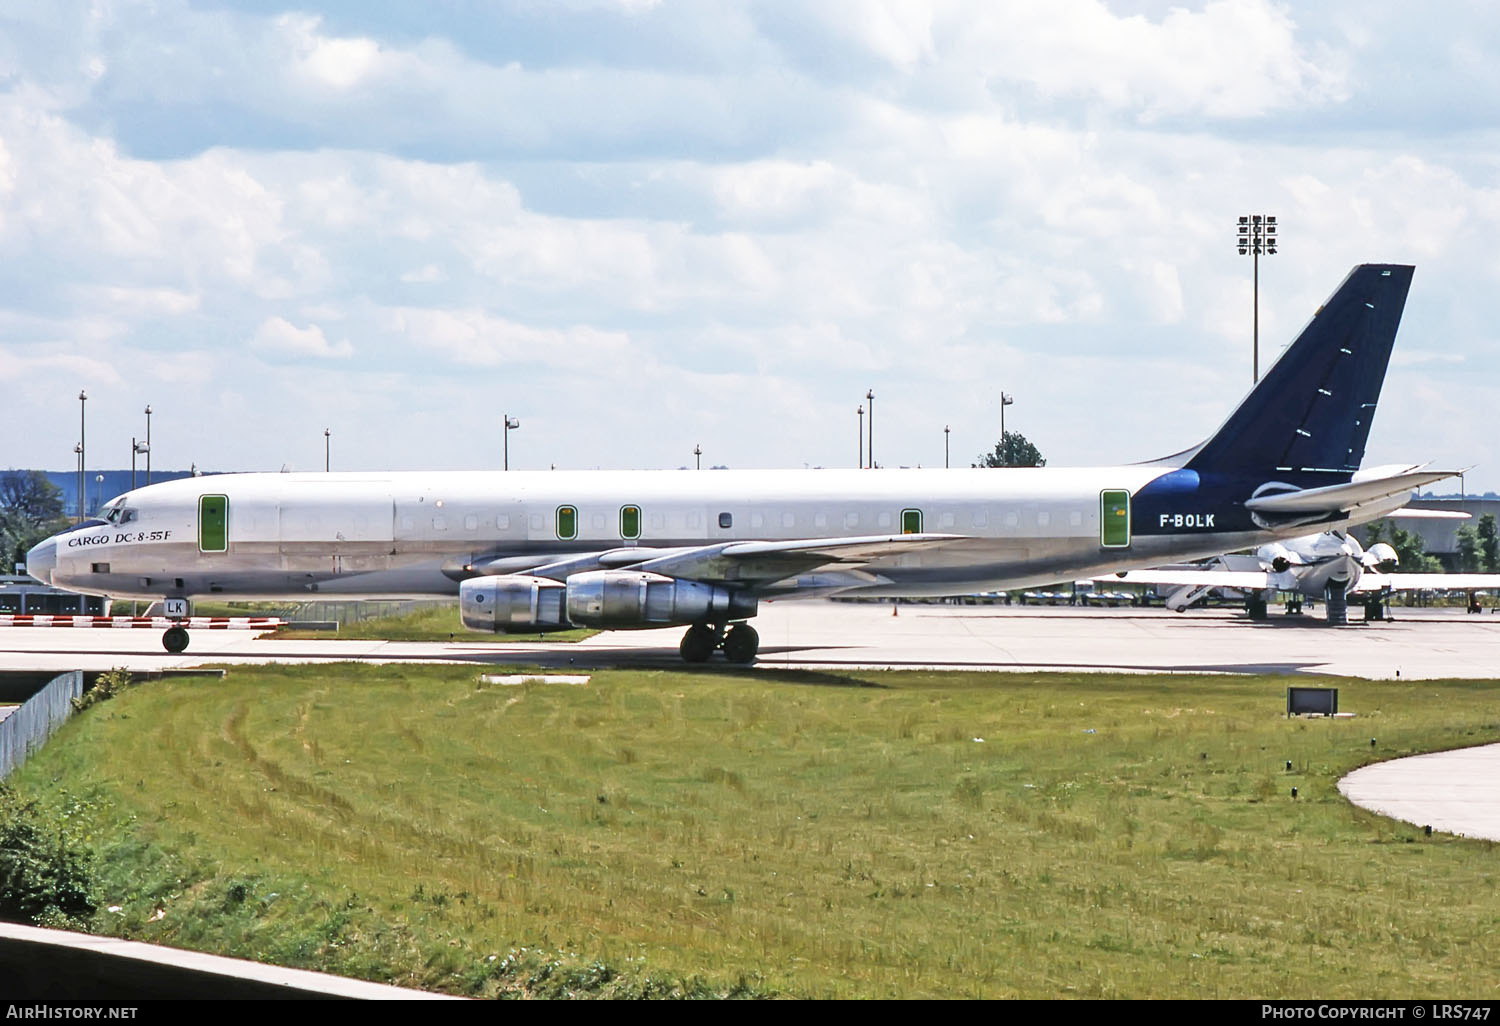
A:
(1331, 566)
(542, 551)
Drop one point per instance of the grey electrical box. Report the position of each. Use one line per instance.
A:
(1321, 701)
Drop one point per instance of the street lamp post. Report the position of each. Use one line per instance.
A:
(1257, 235)
(136, 448)
(327, 450)
(148, 444)
(870, 398)
(82, 455)
(78, 462)
(945, 446)
(697, 457)
(99, 492)
(510, 423)
(861, 411)
(1005, 400)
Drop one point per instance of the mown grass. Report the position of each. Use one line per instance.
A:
(780, 833)
(436, 621)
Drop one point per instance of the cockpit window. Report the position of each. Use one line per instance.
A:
(121, 515)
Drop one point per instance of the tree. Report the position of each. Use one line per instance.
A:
(31, 508)
(1468, 549)
(1013, 450)
(1489, 542)
(1411, 552)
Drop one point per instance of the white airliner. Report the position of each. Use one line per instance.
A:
(1331, 566)
(541, 551)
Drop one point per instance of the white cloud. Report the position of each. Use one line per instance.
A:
(277, 336)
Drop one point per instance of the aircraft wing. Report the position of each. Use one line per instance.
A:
(1246, 580)
(749, 562)
(1429, 582)
(755, 562)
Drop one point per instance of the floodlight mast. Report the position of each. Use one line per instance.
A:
(1257, 235)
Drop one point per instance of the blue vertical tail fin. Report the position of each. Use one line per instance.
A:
(1312, 410)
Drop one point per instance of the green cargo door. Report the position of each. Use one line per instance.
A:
(213, 523)
(911, 521)
(1114, 518)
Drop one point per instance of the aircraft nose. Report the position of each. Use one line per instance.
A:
(42, 560)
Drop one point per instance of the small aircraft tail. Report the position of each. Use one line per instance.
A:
(1312, 410)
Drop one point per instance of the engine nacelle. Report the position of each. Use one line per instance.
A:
(1381, 556)
(635, 598)
(513, 603)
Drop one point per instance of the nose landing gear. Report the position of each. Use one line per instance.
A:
(740, 643)
(175, 639)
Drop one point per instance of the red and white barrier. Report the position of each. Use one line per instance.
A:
(197, 623)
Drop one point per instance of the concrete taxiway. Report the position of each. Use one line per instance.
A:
(1419, 644)
(1455, 792)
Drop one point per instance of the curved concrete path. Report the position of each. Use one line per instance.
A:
(1457, 792)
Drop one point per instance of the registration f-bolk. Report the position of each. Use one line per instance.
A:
(532, 552)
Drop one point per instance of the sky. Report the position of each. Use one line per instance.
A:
(641, 226)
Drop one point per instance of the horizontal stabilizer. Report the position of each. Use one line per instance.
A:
(1246, 580)
(1340, 497)
(1429, 582)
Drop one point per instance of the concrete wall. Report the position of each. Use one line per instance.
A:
(29, 727)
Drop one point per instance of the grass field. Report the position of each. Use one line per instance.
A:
(779, 834)
(436, 621)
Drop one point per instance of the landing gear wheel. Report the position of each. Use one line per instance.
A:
(698, 643)
(175, 640)
(741, 644)
(1256, 607)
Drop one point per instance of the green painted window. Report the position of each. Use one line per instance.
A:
(630, 522)
(1114, 518)
(213, 523)
(567, 523)
(911, 521)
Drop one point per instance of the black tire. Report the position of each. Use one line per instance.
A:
(698, 644)
(741, 644)
(1256, 607)
(175, 640)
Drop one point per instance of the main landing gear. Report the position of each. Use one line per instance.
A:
(740, 643)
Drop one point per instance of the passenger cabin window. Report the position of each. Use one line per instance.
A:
(820, 520)
(884, 520)
(471, 523)
(980, 518)
(597, 521)
(567, 523)
(1043, 519)
(503, 521)
(788, 520)
(911, 521)
(630, 522)
(726, 520)
(851, 519)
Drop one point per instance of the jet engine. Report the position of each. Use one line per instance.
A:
(636, 598)
(1381, 556)
(514, 603)
(519, 603)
